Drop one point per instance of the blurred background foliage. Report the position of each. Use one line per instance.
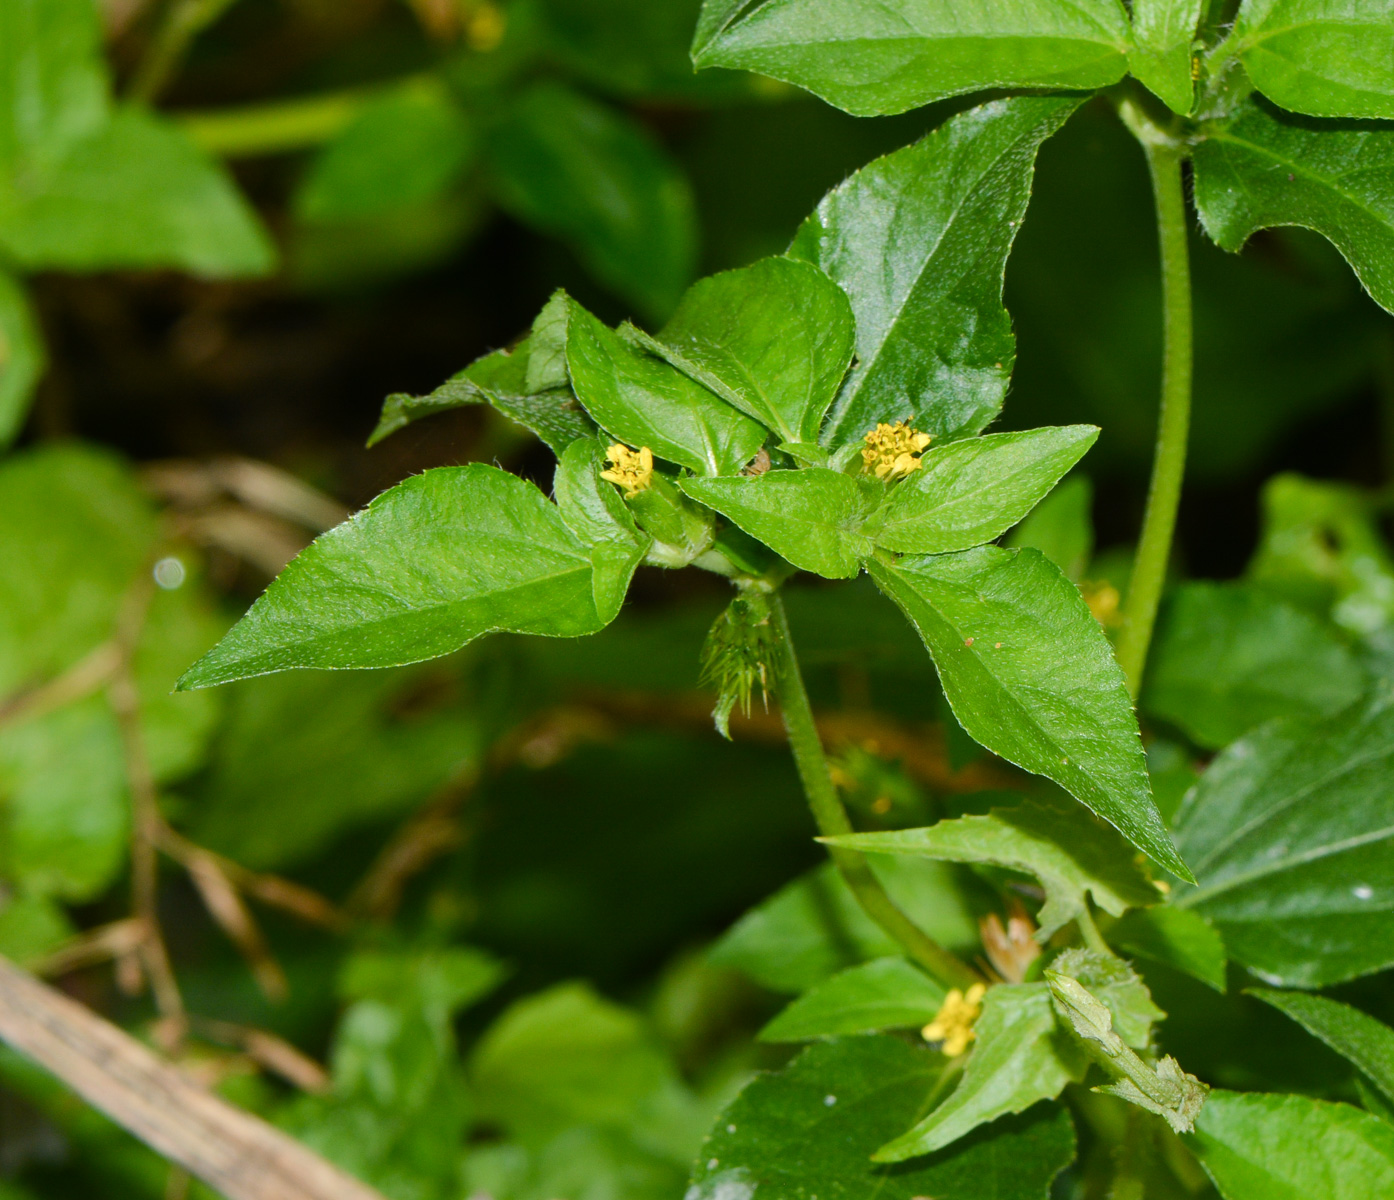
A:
(492, 973)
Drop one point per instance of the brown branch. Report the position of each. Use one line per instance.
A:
(235, 1153)
(79, 681)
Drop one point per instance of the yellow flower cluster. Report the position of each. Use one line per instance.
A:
(954, 1024)
(893, 451)
(629, 469)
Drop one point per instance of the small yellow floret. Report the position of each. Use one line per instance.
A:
(954, 1024)
(485, 27)
(629, 469)
(893, 451)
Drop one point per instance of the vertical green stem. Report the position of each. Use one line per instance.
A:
(1154, 547)
(183, 21)
(832, 820)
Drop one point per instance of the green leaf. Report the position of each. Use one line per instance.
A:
(871, 60)
(886, 993)
(589, 175)
(1354, 1035)
(1061, 527)
(1228, 657)
(1069, 852)
(1177, 937)
(136, 193)
(919, 241)
(972, 491)
(1327, 58)
(584, 1161)
(774, 339)
(499, 379)
(810, 1129)
(813, 928)
(428, 566)
(1122, 991)
(645, 402)
(1289, 831)
(811, 517)
(1031, 676)
(404, 148)
(1261, 168)
(1160, 55)
(594, 512)
(1260, 1147)
(31, 928)
(1019, 1056)
(21, 357)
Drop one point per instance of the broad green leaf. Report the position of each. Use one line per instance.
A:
(594, 512)
(642, 400)
(1228, 657)
(974, 490)
(53, 85)
(1031, 676)
(810, 1130)
(1354, 1035)
(1110, 980)
(586, 173)
(1263, 1147)
(1071, 853)
(433, 563)
(919, 241)
(874, 59)
(811, 517)
(1177, 937)
(1061, 527)
(774, 339)
(886, 993)
(21, 357)
(136, 193)
(813, 928)
(1261, 168)
(1160, 54)
(1290, 835)
(401, 149)
(499, 379)
(1327, 58)
(1019, 1056)
(584, 1161)
(31, 928)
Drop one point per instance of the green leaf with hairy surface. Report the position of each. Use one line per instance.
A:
(642, 400)
(1228, 657)
(774, 339)
(871, 60)
(1019, 1057)
(1160, 54)
(1177, 937)
(1070, 852)
(1327, 58)
(594, 512)
(811, 517)
(588, 174)
(972, 491)
(500, 379)
(404, 148)
(809, 1130)
(1031, 676)
(1061, 527)
(886, 993)
(1261, 168)
(136, 193)
(1263, 1147)
(1354, 1035)
(813, 927)
(428, 566)
(1291, 833)
(919, 241)
(1118, 987)
(21, 356)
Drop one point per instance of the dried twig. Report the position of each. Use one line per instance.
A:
(78, 682)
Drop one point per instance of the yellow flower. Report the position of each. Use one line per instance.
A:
(1103, 600)
(629, 469)
(954, 1024)
(893, 451)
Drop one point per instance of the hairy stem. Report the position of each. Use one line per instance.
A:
(832, 820)
(1164, 159)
